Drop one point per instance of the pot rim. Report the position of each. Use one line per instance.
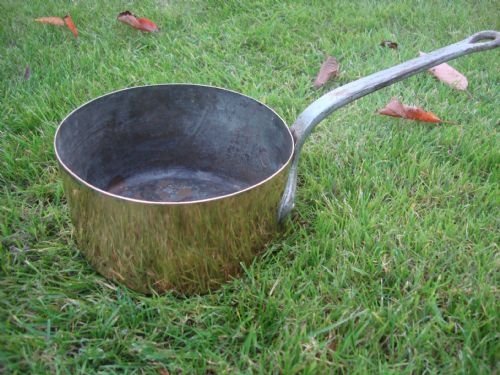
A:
(150, 202)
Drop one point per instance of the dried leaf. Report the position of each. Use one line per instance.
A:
(27, 72)
(449, 75)
(69, 23)
(396, 109)
(393, 108)
(58, 21)
(389, 44)
(163, 371)
(452, 77)
(129, 19)
(329, 69)
(142, 24)
(147, 25)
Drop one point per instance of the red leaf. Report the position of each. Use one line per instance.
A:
(329, 69)
(397, 109)
(142, 24)
(58, 21)
(452, 77)
(69, 23)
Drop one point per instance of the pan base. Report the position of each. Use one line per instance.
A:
(177, 184)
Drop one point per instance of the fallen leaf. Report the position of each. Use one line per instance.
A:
(129, 19)
(27, 72)
(142, 24)
(329, 69)
(58, 21)
(163, 371)
(389, 44)
(397, 109)
(449, 75)
(147, 25)
(69, 23)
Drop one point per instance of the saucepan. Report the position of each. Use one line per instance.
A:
(175, 186)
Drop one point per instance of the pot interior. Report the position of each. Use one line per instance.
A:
(173, 143)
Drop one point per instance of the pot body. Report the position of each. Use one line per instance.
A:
(173, 187)
(188, 248)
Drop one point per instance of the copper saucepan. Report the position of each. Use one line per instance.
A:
(174, 186)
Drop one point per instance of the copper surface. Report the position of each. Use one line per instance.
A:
(189, 248)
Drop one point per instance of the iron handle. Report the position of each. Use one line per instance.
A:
(346, 94)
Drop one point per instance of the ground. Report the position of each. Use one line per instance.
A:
(388, 263)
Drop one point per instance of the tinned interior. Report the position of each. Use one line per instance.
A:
(173, 142)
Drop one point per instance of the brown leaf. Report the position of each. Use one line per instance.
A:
(449, 75)
(142, 24)
(329, 69)
(397, 109)
(389, 44)
(69, 23)
(58, 21)
(163, 371)
(128, 18)
(393, 108)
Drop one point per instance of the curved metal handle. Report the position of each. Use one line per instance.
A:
(343, 95)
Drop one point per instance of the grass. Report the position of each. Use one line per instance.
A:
(389, 263)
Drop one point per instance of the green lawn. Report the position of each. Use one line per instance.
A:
(390, 261)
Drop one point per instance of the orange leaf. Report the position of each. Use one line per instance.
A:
(58, 21)
(147, 25)
(142, 24)
(397, 109)
(449, 75)
(69, 23)
(329, 69)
